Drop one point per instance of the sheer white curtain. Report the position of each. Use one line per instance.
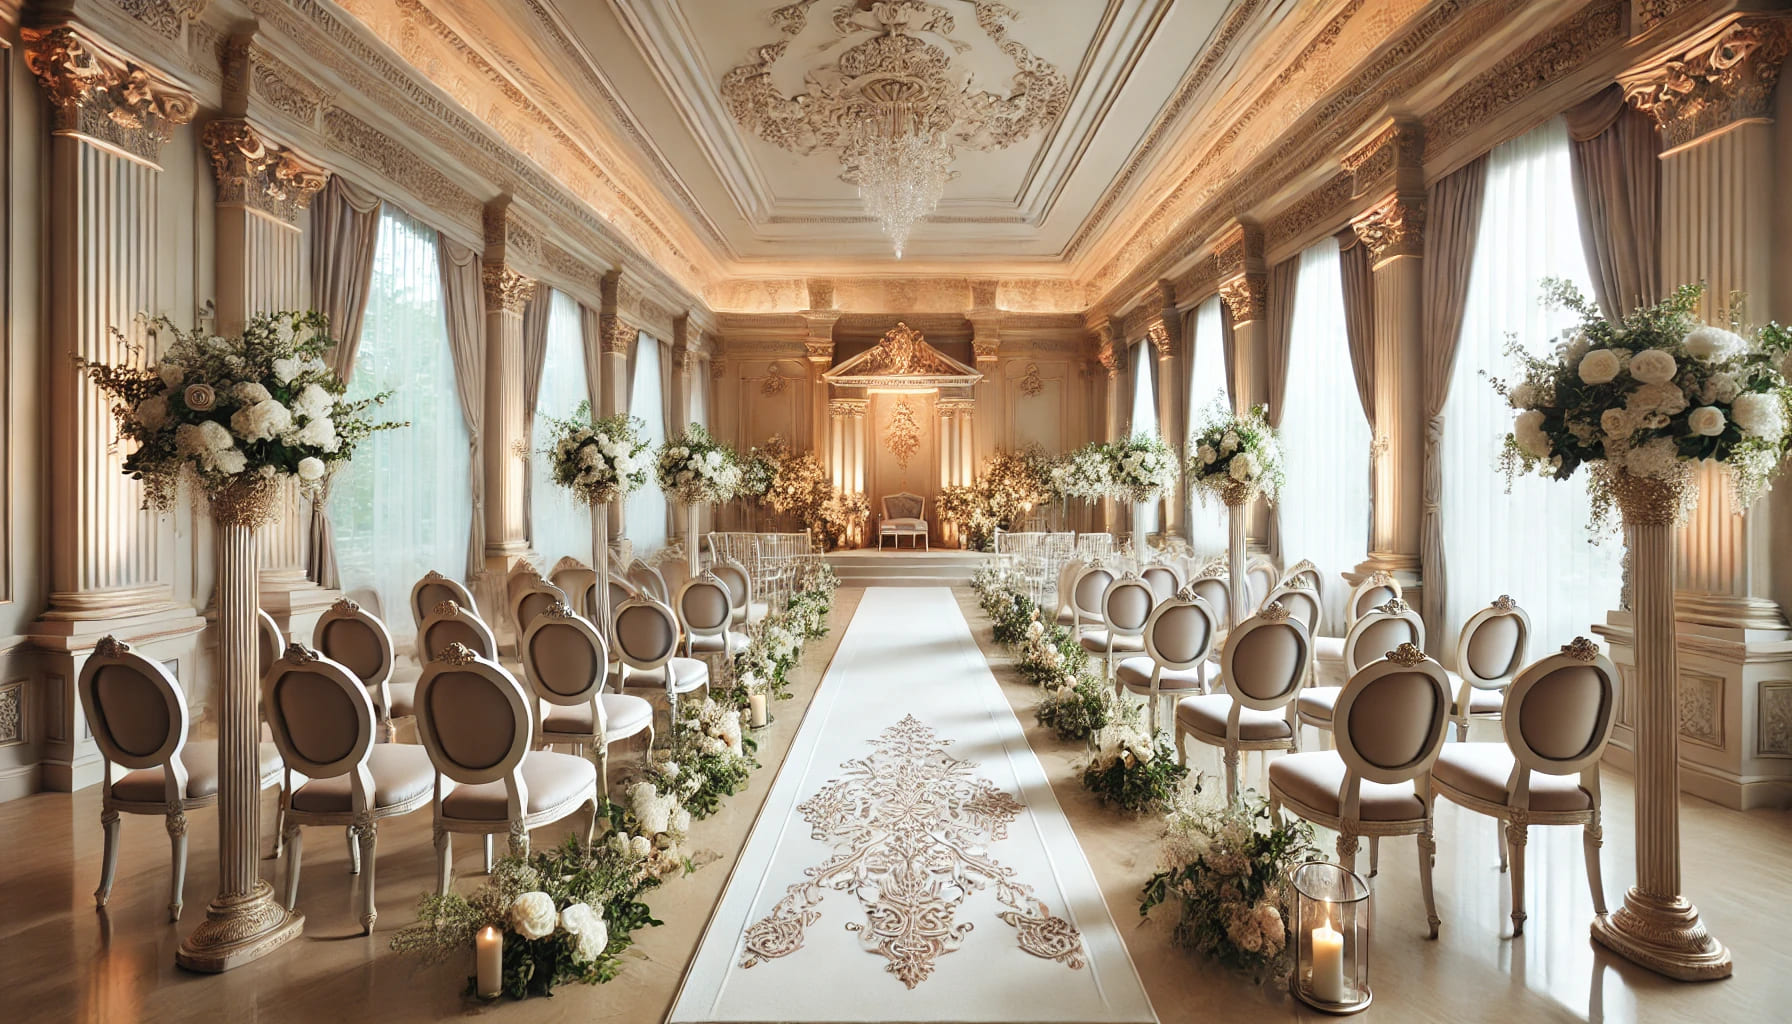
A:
(700, 393)
(562, 526)
(1144, 419)
(645, 512)
(1532, 543)
(1325, 504)
(402, 506)
(1207, 388)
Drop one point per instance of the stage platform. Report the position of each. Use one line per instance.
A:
(869, 567)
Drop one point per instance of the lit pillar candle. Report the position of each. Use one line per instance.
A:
(756, 704)
(489, 949)
(1328, 962)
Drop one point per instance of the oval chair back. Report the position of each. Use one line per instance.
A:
(1067, 575)
(1489, 652)
(1380, 630)
(1216, 592)
(449, 623)
(739, 582)
(432, 590)
(136, 713)
(475, 721)
(1181, 633)
(571, 576)
(1085, 595)
(1558, 717)
(648, 580)
(704, 608)
(322, 720)
(1164, 579)
(1126, 606)
(531, 599)
(1307, 571)
(1375, 590)
(1261, 577)
(646, 634)
(269, 644)
(1265, 661)
(1389, 724)
(566, 662)
(349, 636)
(1302, 603)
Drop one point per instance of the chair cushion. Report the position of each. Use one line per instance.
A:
(1480, 770)
(1328, 648)
(1207, 715)
(404, 700)
(687, 675)
(712, 643)
(1135, 674)
(401, 772)
(1095, 641)
(1318, 701)
(200, 757)
(1315, 778)
(623, 716)
(550, 778)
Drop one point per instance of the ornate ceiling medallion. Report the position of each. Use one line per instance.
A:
(896, 106)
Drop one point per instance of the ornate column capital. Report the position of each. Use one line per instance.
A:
(957, 406)
(1246, 297)
(1159, 336)
(1238, 250)
(98, 94)
(986, 334)
(505, 289)
(1393, 227)
(255, 172)
(614, 334)
(1109, 351)
(1726, 77)
(818, 337)
(821, 293)
(1391, 159)
(983, 292)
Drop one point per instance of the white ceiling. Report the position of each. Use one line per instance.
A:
(653, 69)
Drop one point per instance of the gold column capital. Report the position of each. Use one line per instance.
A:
(1246, 297)
(1395, 226)
(258, 173)
(99, 94)
(505, 289)
(1726, 77)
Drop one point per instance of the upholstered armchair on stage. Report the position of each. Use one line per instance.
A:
(905, 515)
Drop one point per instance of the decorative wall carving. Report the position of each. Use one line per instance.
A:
(363, 142)
(903, 436)
(1030, 383)
(102, 95)
(821, 293)
(12, 713)
(1701, 701)
(615, 334)
(1393, 227)
(1774, 715)
(1239, 250)
(264, 175)
(1727, 78)
(1246, 298)
(505, 289)
(1326, 204)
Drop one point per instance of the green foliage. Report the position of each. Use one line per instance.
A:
(1134, 773)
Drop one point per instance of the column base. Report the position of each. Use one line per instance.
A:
(1666, 936)
(239, 930)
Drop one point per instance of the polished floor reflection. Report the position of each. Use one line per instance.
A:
(60, 960)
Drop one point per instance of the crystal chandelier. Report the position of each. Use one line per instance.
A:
(901, 169)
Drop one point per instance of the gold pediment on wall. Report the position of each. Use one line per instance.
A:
(902, 358)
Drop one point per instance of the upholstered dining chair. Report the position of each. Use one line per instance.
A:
(1214, 587)
(1165, 579)
(566, 664)
(1262, 667)
(137, 714)
(478, 726)
(572, 577)
(1370, 593)
(324, 723)
(648, 580)
(1067, 575)
(348, 635)
(1489, 653)
(432, 590)
(647, 645)
(451, 623)
(739, 582)
(1125, 609)
(522, 577)
(530, 598)
(1557, 719)
(1307, 571)
(1302, 601)
(1179, 636)
(905, 515)
(1381, 630)
(704, 609)
(1391, 720)
(1261, 577)
(1085, 595)
(269, 642)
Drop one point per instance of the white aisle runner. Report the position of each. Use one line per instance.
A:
(911, 863)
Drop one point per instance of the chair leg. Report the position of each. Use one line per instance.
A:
(295, 855)
(1462, 730)
(519, 840)
(177, 838)
(591, 825)
(1592, 838)
(444, 859)
(1181, 749)
(354, 850)
(603, 768)
(1231, 775)
(488, 853)
(1374, 856)
(109, 865)
(1427, 859)
(1499, 836)
(1347, 849)
(368, 834)
(1517, 834)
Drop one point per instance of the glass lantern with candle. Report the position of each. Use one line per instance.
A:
(1331, 958)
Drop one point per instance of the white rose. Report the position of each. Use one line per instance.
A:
(1599, 366)
(318, 433)
(311, 468)
(249, 392)
(1528, 431)
(230, 460)
(262, 421)
(1653, 366)
(1712, 344)
(313, 402)
(587, 926)
(1706, 421)
(1208, 455)
(214, 437)
(1759, 415)
(285, 370)
(1616, 423)
(532, 915)
(152, 413)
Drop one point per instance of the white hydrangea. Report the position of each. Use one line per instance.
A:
(172, 374)
(586, 926)
(1663, 398)
(214, 436)
(1712, 344)
(1760, 415)
(262, 421)
(313, 401)
(250, 392)
(230, 460)
(153, 412)
(286, 369)
(318, 433)
(1528, 431)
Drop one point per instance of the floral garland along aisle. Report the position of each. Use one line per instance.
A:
(1639, 401)
(240, 416)
(567, 914)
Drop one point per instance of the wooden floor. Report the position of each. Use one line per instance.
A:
(60, 960)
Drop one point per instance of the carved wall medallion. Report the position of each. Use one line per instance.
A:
(258, 173)
(1725, 79)
(99, 94)
(910, 826)
(1701, 703)
(1030, 384)
(903, 437)
(773, 385)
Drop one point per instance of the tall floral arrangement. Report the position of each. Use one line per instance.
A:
(1084, 473)
(798, 486)
(696, 469)
(262, 405)
(1648, 396)
(1232, 454)
(599, 460)
(1143, 467)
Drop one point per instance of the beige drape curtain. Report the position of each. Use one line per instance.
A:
(1129, 379)
(1229, 348)
(1452, 223)
(674, 418)
(345, 231)
(591, 335)
(535, 356)
(463, 300)
(1359, 317)
(1617, 191)
(1278, 330)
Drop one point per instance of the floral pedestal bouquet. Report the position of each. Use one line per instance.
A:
(1237, 458)
(601, 461)
(239, 416)
(695, 469)
(1142, 468)
(1639, 401)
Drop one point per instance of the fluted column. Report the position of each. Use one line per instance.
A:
(818, 345)
(506, 431)
(1167, 345)
(835, 457)
(986, 343)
